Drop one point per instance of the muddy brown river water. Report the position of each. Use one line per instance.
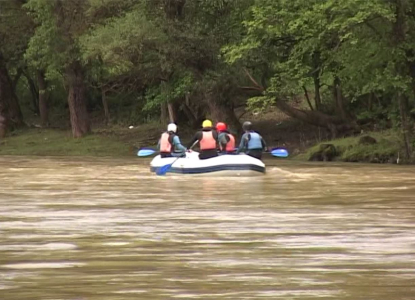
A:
(107, 229)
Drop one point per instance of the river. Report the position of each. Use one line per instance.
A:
(107, 229)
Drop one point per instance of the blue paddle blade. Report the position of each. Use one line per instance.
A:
(145, 152)
(163, 170)
(279, 152)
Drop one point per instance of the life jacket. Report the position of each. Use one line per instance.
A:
(254, 141)
(207, 142)
(230, 146)
(166, 142)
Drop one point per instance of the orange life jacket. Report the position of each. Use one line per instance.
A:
(165, 143)
(230, 146)
(207, 142)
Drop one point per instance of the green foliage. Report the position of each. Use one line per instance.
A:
(122, 43)
(169, 92)
(16, 29)
(260, 103)
(55, 44)
(197, 54)
(296, 41)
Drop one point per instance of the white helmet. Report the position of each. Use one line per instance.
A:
(172, 127)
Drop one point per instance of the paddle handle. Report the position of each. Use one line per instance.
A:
(194, 144)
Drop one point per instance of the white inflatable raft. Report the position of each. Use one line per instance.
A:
(227, 165)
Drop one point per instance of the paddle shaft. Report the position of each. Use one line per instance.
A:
(163, 170)
(194, 144)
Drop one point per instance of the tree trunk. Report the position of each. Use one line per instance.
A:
(105, 104)
(307, 98)
(191, 118)
(174, 8)
(399, 37)
(338, 99)
(411, 66)
(317, 97)
(77, 100)
(8, 99)
(16, 78)
(224, 113)
(3, 124)
(336, 125)
(34, 92)
(172, 114)
(43, 99)
(163, 113)
(406, 128)
(191, 115)
(370, 102)
(5, 93)
(316, 79)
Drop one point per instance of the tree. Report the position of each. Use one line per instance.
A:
(352, 60)
(170, 50)
(196, 32)
(120, 50)
(55, 45)
(328, 45)
(15, 30)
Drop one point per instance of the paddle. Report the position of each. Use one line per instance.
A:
(279, 152)
(164, 169)
(146, 152)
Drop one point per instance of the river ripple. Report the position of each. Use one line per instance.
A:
(105, 229)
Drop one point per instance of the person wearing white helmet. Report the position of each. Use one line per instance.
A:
(169, 143)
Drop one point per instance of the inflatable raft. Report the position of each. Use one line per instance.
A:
(227, 165)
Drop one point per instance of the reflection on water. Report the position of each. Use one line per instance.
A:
(104, 229)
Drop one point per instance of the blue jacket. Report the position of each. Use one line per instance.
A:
(251, 141)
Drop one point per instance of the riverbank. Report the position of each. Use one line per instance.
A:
(371, 147)
(54, 142)
(303, 143)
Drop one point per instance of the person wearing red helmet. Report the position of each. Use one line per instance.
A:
(226, 140)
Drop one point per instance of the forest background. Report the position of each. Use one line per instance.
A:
(304, 71)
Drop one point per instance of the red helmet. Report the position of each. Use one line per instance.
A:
(221, 126)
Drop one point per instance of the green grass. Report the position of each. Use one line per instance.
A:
(389, 144)
(55, 142)
(116, 141)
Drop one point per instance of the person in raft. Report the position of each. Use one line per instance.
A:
(207, 138)
(252, 142)
(225, 139)
(169, 143)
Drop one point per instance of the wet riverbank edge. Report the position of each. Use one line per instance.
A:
(370, 147)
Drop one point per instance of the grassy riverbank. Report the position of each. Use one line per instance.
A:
(116, 141)
(373, 147)
(57, 142)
